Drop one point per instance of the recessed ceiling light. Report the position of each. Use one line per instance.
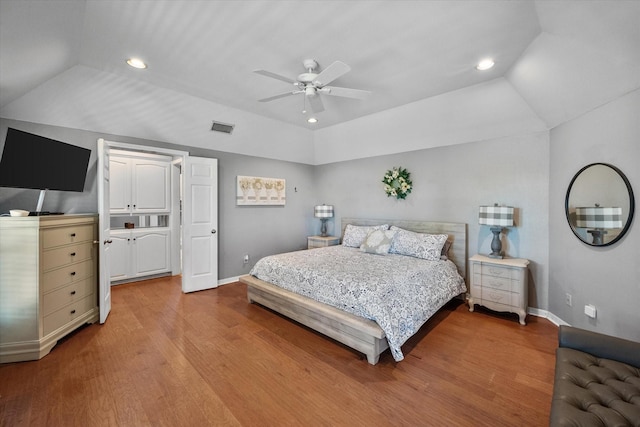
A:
(136, 63)
(485, 64)
(312, 120)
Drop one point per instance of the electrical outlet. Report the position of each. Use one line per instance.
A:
(245, 259)
(567, 299)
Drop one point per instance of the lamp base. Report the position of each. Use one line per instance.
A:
(496, 244)
(598, 236)
(323, 227)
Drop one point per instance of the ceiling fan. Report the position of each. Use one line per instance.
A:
(312, 84)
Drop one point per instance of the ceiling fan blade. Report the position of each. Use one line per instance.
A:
(275, 76)
(331, 73)
(316, 103)
(282, 95)
(345, 92)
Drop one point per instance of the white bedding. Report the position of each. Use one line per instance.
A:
(398, 292)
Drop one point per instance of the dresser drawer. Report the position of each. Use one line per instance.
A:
(61, 317)
(59, 298)
(66, 255)
(67, 235)
(63, 276)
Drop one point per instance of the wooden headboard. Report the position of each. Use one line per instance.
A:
(457, 232)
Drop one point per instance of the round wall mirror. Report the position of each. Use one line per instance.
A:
(599, 204)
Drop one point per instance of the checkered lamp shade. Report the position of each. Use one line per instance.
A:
(323, 211)
(501, 216)
(598, 217)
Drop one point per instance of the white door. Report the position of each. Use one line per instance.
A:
(200, 224)
(104, 230)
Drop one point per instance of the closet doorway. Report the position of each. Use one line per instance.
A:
(188, 226)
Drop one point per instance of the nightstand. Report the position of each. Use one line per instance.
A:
(500, 284)
(321, 242)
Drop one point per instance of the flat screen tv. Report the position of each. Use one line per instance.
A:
(33, 161)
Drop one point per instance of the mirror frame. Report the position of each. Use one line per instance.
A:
(632, 203)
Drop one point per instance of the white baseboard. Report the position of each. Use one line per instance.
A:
(549, 316)
(228, 280)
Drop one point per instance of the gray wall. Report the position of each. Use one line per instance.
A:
(256, 231)
(607, 277)
(449, 185)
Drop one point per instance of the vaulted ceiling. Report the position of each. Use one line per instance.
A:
(562, 58)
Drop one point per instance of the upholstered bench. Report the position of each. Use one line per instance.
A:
(597, 380)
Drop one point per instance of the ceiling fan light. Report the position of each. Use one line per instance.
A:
(485, 64)
(136, 63)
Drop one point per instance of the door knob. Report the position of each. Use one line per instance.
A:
(106, 242)
(214, 231)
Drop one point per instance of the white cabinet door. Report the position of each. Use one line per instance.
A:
(120, 255)
(150, 186)
(119, 185)
(139, 185)
(151, 252)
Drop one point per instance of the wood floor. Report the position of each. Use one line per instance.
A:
(164, 358)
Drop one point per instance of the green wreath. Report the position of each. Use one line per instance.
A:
(397, 183)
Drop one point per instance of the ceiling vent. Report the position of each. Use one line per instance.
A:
(222, 127)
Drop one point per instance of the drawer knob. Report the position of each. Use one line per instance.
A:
(73, 292)
(73, 312)
(73, 254)
(73, 273)
(73, 234)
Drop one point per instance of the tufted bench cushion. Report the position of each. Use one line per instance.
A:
(595, 391)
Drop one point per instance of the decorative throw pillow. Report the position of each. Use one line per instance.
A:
(419, 245)
(354, 235)
(444, 255)
(378, 242)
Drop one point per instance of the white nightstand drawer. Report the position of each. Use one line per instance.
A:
(496, 271)
(502, 283)
(322, 242)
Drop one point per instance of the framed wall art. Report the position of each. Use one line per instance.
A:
(260, 191)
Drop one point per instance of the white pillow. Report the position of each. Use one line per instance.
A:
(378, 242)
(419, 245)
(354, 235)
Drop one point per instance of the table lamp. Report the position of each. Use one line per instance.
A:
(497, 217)
(599, 219)
(324, 212)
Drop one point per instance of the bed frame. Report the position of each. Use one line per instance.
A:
(356, 332)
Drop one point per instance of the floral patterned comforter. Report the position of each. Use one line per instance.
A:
(398, 292)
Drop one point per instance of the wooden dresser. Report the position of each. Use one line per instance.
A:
(48, 282)
(500, 284)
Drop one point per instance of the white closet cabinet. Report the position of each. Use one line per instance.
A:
(139, 183)
(138, 253)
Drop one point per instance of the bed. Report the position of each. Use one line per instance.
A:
(344, 319)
